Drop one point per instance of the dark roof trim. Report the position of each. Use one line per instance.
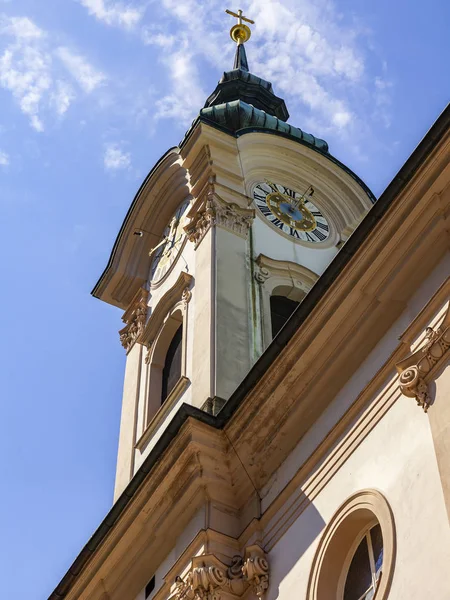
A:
(406, 173)
(95, 291)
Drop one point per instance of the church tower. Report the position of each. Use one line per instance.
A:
(285, 420)
(225, 237)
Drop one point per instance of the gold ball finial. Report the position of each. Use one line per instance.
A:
(240, 33)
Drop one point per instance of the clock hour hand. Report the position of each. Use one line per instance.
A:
(161, 243)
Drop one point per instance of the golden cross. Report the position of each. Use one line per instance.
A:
(239, 17)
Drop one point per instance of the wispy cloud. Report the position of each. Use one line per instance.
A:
(114, 13)
(316, 60)
(87, 77)
(115, 158)
(25, 66)
(62, 97)
(186, 95)
(37, 82)
(4, 159)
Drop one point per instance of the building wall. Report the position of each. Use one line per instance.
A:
(393, 453)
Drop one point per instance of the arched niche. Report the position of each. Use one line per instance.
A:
(280, 278)
(167, 317)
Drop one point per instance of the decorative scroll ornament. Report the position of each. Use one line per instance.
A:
(256, 570)
(215, 211)
(415, 372)
(186, 296)
(210, 579)
(262, 274)
(134, 317)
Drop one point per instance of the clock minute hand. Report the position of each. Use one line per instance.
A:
(303, 196)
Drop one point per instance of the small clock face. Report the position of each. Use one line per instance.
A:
(292, 213)
(169, 247)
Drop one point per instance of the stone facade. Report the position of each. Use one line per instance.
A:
(318, 437)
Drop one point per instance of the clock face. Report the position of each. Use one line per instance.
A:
(169, 247)
(292, 213)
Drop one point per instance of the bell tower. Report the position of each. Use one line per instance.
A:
(225, 237)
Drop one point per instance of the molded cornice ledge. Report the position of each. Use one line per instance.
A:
(417, 370)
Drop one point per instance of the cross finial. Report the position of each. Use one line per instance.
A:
(240, 33)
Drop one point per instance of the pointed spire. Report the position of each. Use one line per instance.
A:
(240, 59)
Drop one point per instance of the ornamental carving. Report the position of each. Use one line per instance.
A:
(134, 318)
(256, 570)
(210, 579)
(215, 211)
(416, 371)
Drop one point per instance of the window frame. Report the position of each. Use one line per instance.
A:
(365, 534)
(341, 538)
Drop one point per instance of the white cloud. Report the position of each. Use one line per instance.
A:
(30, 73)
(62, 97)
(186, 96)
(85, 74)
(114, 13)
(25, 72)
(22, 28)
(115, 158)
(315, 60)
(4, 159)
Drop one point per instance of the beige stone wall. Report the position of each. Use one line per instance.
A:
(394, 448)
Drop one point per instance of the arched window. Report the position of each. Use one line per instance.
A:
(281, 308)
(172, 364)
(356, 555)
(365, 568)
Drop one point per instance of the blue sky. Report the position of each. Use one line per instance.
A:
(92, 93)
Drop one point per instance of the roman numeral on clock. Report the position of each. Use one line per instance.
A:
(288, 192)
(277, 223)
(323, 226)
(265, 210)
(321, 236)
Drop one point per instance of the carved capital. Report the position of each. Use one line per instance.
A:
(215, 211)
(134, 318)
(416, 371)
(210, 579)
(256, 570)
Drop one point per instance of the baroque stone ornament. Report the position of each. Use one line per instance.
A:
(186, 296)
(416, 371)
(134, 318)
(256, 570)
(216, 211)
(210, 579)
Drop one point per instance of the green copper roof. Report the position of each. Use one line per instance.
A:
(242, 100)
(240, 84)
(237, 115)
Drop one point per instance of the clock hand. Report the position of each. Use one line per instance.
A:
(302, 197)
(161, 243)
